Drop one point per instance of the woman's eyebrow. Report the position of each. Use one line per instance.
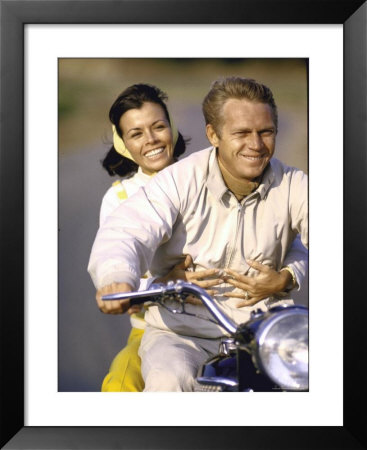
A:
(133, 129)
(140, 128)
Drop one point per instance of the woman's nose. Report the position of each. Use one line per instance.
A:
(150, 136)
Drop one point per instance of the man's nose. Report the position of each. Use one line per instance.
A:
(255, 141)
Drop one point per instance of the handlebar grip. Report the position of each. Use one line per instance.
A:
(136, 297)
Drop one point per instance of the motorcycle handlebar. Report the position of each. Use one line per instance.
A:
(180, 288)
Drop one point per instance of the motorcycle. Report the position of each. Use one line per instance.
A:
(267, 353)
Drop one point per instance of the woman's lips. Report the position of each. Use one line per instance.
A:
(154, 153)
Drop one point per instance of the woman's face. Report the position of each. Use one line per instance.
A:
(148, 137)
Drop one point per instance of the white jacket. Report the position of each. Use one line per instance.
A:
(111, 198)
(187, 209)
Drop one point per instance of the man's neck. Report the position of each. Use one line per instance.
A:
(240, 187)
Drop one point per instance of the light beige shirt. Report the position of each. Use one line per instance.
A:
(187, 209)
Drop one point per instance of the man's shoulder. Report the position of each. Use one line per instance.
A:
(195, 164)
(279, 168)
(198, 158)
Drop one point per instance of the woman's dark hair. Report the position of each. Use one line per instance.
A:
(131, 98)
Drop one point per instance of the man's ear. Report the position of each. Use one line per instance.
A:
(212, 135)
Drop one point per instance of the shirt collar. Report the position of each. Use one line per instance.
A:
(217, 186)
(142, 175)
(215, 180)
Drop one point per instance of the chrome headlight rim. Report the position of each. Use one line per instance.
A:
(261, 334)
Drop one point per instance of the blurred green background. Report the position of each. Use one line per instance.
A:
(88, 340)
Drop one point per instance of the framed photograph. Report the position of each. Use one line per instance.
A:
(46, 49)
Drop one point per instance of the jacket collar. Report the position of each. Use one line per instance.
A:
(218, 188)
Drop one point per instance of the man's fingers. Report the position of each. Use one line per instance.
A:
(249, 302)
(208, 283)
(233, 294)
(233, 275)
(191, 276)
(231, 272)
(239, 284)
(211, 292)
(258, 266)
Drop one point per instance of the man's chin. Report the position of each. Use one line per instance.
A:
(250, 175)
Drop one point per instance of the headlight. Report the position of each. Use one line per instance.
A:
(283, 348)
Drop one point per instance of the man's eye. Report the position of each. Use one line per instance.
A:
(266, 133)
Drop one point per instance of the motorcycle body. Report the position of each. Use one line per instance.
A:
(267, 353)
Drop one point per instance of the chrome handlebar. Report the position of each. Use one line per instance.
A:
(177, 291)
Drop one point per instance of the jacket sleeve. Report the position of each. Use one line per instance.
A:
(297, 259)
(126, 242)
(110, 202)
(298, 205)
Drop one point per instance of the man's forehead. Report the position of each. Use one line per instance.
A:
(233, 103)
(235, 108)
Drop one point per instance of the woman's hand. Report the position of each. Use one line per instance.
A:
(113, 306)
(202, 278)
(263, 285)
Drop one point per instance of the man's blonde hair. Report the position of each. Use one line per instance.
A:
(239, 88)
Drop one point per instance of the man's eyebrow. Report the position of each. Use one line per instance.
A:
(249, 130)
(269, 128)
(241, 130)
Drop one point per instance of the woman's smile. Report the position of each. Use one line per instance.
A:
(154, 154)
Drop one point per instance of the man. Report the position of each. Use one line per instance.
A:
(230, 207)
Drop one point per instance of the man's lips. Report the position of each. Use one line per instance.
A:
(253, 158)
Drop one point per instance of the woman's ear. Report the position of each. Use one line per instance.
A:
(212, 135)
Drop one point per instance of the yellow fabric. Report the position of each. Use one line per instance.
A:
(125, 373)
(120, 147)
(120, 190)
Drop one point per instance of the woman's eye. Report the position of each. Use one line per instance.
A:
(136, 135)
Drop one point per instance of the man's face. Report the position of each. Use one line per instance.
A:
(247, 137)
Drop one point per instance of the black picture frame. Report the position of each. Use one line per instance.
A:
(14, 14)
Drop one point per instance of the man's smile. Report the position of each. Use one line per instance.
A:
(253, 158)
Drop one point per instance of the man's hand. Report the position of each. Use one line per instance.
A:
(202, 278)
(113, 306)
(263, 285)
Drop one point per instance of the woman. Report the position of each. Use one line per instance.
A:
(144, 142)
